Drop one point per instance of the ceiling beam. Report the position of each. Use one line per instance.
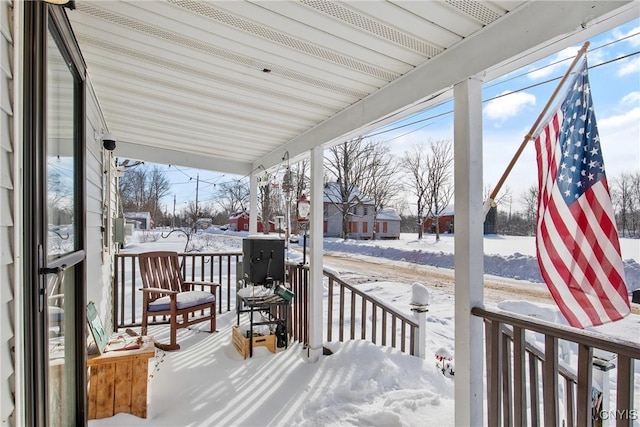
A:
(181, 158)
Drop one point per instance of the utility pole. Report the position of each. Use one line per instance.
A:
(197, 184)
(173, 217)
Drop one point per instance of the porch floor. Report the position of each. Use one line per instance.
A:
(208, 383)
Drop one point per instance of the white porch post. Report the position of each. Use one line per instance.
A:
(253, 204)
(469, 258)
(315, 259)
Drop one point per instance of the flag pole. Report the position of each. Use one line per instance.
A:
(529, 136)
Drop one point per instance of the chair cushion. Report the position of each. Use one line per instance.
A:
(184, 300)
(56, 314)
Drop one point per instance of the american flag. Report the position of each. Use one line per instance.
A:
(576, 240)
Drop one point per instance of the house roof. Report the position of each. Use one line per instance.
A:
(232, 85)
(388, 214)
(332, 194)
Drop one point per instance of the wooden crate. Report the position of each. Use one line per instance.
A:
(241, 343)
(118, 382)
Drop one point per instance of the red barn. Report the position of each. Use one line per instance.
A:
(240, 222)
(445, 223)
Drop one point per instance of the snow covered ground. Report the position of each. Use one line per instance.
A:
(207, 383)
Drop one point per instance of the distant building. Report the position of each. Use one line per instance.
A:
(141, 220)
(445, 223)
(361, 212)
(239, 221)
(387, 225)
(203, 223)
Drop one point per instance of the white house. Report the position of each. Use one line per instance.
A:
(239, 88)
(387, 224)
(142, 220)
(360, 210)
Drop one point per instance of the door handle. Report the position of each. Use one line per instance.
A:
(52, 270)
(59, 272)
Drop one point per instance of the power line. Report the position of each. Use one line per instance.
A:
(494, 97)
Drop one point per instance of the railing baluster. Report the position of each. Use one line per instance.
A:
(394, 334)
(363, 319)
(550, 381)
(341, 308)
(374, 310)
(493, 373)
(133, 289)
(384, 327)
(585, 358)
(330, 310)
(533, 389)
(353, 315)
(624, 394)
(519, 378)
(570, 404)
(507, 403)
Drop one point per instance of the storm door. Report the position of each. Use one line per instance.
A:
(54, 222)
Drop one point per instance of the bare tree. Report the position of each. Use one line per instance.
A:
(382, 183)
(158, 187)
(142, 188)
(634, 206)
(232, 196)
(268, 201)
(530, 201)
(622, 198)
(504, 197)
(440, 179)
(416, 163)
(348, 163)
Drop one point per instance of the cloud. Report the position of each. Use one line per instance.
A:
(632, 98)
(622, 122)
(631, 66)
(619, 136)
(633, 41)
(556, 65)
(510, 104)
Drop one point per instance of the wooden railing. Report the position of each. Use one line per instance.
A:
(514, 394)
(354, 313)
(350, 313)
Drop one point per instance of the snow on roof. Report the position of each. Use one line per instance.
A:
(332, 194)
(388, 214)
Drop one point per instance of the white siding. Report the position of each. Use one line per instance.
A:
(99, 251)
(7, 254)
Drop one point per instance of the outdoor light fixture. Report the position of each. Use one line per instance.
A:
(304, 209)
(263, 178)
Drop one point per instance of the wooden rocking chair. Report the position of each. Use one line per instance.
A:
(166, 293)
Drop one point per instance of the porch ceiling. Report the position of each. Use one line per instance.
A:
(230, 85)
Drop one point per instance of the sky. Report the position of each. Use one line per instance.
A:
(507, 119)
(207, 383)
